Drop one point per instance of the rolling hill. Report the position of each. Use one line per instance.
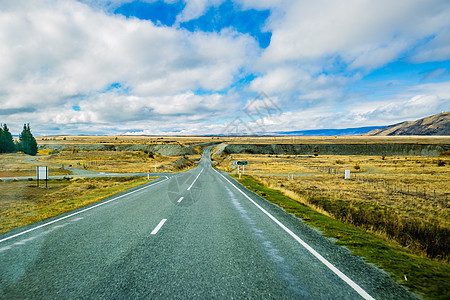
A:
(434, 125)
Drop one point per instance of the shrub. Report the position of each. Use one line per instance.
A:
(440, 163)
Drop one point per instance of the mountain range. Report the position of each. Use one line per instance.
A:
(434, 125)
(438, 124)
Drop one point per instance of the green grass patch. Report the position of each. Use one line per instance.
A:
(428, 277)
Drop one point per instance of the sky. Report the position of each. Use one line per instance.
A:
(170, 67)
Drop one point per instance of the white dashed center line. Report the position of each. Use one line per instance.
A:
(157, 228)
(195, 180)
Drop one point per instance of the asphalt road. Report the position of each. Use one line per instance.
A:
(197, 234)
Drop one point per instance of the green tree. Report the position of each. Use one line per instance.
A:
(6, 140)
(1, 140)
(27, 143)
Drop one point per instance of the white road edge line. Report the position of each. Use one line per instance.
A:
(158, 227)
(181, 199)
(81, 211)
(195, 180)
(335, 270)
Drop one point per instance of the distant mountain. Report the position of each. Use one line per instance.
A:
(434, 125)
(329, 132)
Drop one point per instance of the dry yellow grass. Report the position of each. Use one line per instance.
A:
(260, 163)
(413, 210)
(190, 140)
(116, 161)
(23, 203)
(282, 164)
(414, 185)
(426, 208)
(123, 139)
(388, 195)
(13, 165)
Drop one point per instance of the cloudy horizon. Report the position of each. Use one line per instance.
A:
(195, 67)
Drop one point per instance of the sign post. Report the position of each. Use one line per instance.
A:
(241, 163)
(41, 174)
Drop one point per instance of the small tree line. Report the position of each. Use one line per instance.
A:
(26, 143)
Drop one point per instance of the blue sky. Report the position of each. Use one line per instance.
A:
(195, 67)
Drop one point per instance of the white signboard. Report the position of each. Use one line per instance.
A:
(42, 173)
(347, 174)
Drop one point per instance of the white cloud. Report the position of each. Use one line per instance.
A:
(195, 9)
(57, 54)
(365, 34)
(61, 54)
(319, 48)
(417, 102)
(279, 80)
(297, 87)
(438, 49)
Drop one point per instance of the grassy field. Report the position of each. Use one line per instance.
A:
(120, 161)
(260, 163)
(123, 139)
(23, 203)
(394, 210)
(428, 277)
(403, 199)
(13, 165)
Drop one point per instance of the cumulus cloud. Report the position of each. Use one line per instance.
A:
(72, 65)
(365, 34)
(60, 54)
(319, 48)
(416, 102)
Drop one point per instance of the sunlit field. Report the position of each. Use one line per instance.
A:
(122, 139)
(120, 161)
(19, 165)
(402, 198)
(23, 203)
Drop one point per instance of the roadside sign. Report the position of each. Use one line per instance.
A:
(42, 174)
(241, 162)
(347, 174)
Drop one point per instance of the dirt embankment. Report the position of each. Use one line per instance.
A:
(333, 149)
(180, 164)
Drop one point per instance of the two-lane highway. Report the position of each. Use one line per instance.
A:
(197, 234)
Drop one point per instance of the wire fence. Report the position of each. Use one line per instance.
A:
(404, 189)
